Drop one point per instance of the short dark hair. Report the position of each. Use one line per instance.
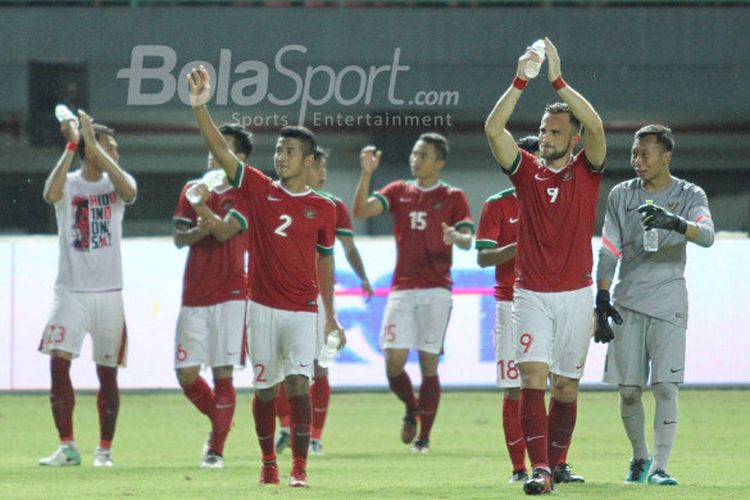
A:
(321, 154)
(558, 108)
(662, 133)
(305, 136)
(530, 144)
(99, 130)
(439, 142)
(243, 140)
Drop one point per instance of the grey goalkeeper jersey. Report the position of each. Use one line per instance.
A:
(652, 283)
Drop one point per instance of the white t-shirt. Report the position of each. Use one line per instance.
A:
(89, 228)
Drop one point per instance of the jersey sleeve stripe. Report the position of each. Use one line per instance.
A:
(324, 250)
(237, 181)
(464, 223)
(514, 167)
(182, 220)
(484, 244)
(617, 253)
(344, 232)
(701, 218)
(383, 201)
(240, 218)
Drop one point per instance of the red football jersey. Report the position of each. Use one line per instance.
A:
(343, 221)
(498, 226)
(215, 271)
(284, 234)
(423, 260)
(557, 211)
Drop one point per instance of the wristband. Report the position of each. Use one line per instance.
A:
(520, 83)
(558, 83)
(71, 146)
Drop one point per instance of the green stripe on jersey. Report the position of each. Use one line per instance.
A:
(237, 181)
(181, 220)
(383, 201)
(240, 218)
(501, 194)
(483, 244)
(344, 232)
(465, 223)
(324, 250)
(514, 167)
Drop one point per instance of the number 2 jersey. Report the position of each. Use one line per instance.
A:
(285, 230)
(215, 271)
(557, 212)
(498, 227)
(423, 259)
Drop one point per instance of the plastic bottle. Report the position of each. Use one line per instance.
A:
(63, 113)
(211, 179)
(650, 236)
(330, 350)
(532, 67)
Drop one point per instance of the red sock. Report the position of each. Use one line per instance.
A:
(513, 433)
(61, 397)
(534, 425)
(562, 421)
(282, 407)
(429, 399)
(108, 404)
(402, 388)
(221, 419)
(300, 426)
(320, 393)
(564, 456)
(264, 413)
(200, 394)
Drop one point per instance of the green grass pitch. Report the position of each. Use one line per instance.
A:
(159, 438)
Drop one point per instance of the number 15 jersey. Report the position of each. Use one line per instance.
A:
(423, 259)
(286, 229)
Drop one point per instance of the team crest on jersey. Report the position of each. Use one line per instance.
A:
(438, 205)
(309, 213)
(567, 174)
(672, 205)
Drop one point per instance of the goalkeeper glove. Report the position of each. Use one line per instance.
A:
(656, 217)
(604, 310)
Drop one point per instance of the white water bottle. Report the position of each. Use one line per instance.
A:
(650, 236)
(211, 179)
(330, 350)
(532, 67)
(63, 113)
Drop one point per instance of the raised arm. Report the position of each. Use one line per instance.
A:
(355, 261)
(55, 183)
(221, 229)
(122, 182)
(366, 206)
(199, 82)
(503, 146)
(594, 142)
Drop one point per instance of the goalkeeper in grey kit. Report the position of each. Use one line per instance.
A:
(650, 310)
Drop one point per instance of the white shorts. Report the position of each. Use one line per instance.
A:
(211, 336)
(416, 318)
(553, 328)
(507, 372)
(282, 343)
(74, 314)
